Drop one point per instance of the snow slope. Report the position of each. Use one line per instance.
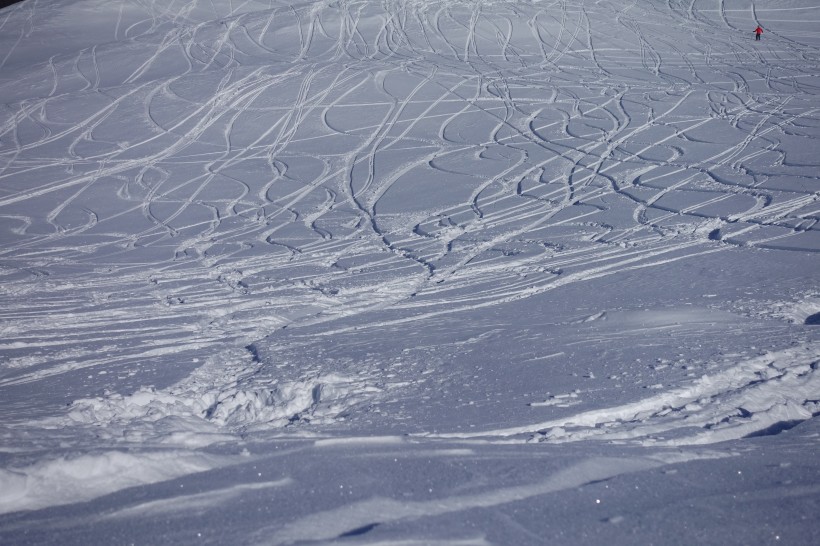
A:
(406, 272)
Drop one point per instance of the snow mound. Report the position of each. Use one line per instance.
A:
(226, 393)
(67, 480)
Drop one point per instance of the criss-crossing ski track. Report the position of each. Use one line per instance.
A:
(429, 157)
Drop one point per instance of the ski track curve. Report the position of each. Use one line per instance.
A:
(296, 164)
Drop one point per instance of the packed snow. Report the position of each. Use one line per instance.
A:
(408, 272)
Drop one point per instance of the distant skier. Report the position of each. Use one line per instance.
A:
(758, 32)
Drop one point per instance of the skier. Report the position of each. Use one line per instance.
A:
(758, 32)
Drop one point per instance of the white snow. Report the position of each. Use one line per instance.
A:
(68, 480)
(409, 272)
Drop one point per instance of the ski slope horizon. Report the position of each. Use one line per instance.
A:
(408, 272)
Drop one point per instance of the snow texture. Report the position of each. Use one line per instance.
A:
(406, 272)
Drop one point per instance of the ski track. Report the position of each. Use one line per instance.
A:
(513, 121)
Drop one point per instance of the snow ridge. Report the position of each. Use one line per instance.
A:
(766, 394)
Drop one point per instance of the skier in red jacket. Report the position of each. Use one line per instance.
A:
(758, 32)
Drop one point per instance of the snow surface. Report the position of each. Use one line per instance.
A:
(408, 272)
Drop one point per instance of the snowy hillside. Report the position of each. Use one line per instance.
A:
(409, 272)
